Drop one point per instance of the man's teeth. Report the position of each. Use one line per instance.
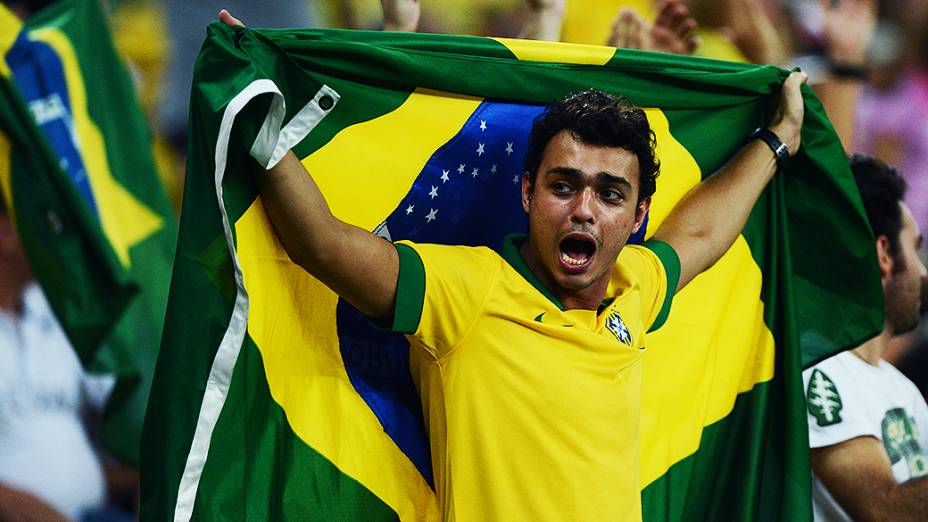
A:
(571, 261)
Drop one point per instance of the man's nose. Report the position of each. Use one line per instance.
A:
(583, 206)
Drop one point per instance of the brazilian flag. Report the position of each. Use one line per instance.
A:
(78, 177)
(276, 400)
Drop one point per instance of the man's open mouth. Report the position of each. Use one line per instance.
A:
(577, 251)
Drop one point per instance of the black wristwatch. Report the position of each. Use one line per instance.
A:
(780, 150)
(847, 71)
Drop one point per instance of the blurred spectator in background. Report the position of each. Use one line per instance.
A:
(49, 469)
(748, 24)
(876, 95)
(139, 34)
(893, 113)
(477, 17)
(673, 30)
(868, 423)
(401, 15)
(543, 20)
(847, 30)
(185, 23)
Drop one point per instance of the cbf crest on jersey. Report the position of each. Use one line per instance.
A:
(617, 327)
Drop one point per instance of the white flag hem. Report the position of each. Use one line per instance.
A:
(269, 147)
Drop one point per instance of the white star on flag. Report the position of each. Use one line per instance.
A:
(483, 125)
(433, 214)
(493, 169)
(444, 176)
(475, 172)
(409, 209)
(515, 179)
(480, 149)
(433, 192)
(461, 168)
(508, 148)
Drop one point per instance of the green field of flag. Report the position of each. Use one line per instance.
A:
(274, 400)
(78, 176)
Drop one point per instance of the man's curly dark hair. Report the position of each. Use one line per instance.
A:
(881, 188)
(597, 118)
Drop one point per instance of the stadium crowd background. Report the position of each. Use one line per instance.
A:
(868, 61)
(880, 105)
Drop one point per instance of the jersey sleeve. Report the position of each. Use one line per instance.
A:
(440, 291)
(836, 410)
(656, 268)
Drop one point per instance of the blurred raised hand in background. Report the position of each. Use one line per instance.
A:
(543, 20)
(847, 30)
(673, 31)
(400, 15)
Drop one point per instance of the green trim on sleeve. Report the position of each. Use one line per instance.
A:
(410, 291)
(668, 257)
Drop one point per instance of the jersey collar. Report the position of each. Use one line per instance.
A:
(510, 252)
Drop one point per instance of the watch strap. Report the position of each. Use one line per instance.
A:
(847, 71)
(780, 150)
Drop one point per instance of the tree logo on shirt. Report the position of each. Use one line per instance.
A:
(823, 399)
(900, 438)
(615, 325)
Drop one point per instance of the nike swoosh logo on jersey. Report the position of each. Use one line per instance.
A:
(538, 318)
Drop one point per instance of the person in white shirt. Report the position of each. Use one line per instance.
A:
(48, 467)
(868, 423)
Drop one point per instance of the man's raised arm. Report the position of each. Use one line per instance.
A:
(357, 265)
(709, 218)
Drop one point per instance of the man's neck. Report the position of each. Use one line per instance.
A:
(872, 351)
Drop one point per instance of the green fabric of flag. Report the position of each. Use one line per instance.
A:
(274, 399)
(79, 176)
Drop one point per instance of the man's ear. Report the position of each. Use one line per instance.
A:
(527, 192)
(640, 212)
(884, 256)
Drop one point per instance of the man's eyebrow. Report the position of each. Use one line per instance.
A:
(566, 171)
(602, 178)
(606, 178)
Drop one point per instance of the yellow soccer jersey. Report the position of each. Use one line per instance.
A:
(532, 411)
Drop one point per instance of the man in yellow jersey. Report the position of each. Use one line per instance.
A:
(528, 362)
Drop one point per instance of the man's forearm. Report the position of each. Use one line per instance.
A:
(839, 97)
(905, 502)
(353, 262)
(357, 265)
(297, 210)
(707, 221)
(21, 506)
(858, 474)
